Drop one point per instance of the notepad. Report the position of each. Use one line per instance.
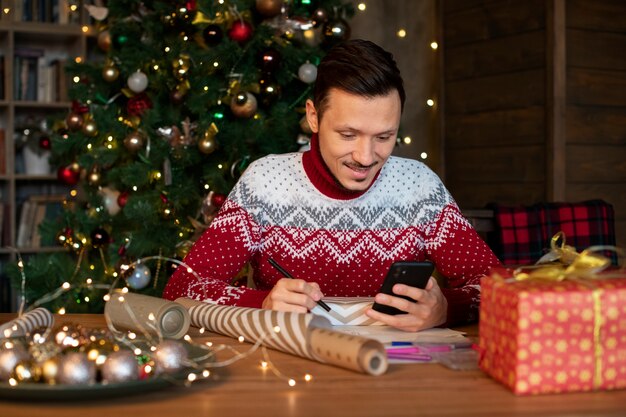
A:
(347, 311)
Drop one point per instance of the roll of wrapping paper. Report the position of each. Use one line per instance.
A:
(35, 319)
(305, 335)
(145, 314)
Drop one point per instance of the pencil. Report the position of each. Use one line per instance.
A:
(288, 275)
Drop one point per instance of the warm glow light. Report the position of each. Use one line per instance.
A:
(264, 364)
(167, 49)
(61, 311)
(66, 286)
(407, 140)
(156, 67)
(7, 10)
(76, 79)
(220, 166)
(73, 7)
(423, 155)
(361, 7)
(430, 102)
(434, 45)
(135, 188)
(401, 33)
(78, 60)
(206, 186)
(308, 377)
(241, 339)
(292, 382)
(85, 29)
(106, 297)
(185, 38)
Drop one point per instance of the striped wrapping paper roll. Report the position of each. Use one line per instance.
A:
(305, 335)
(27, 322)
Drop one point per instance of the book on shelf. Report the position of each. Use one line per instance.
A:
(34, 211)
(3, 153)
(2, 223)
(39, 78)
(2, 86)
(44, 11)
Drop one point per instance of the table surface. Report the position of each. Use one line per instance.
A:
(244, 388)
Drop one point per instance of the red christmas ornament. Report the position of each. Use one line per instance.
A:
(164, 198)
(69, 174)
(218, 199)
(138, 104)
(122, 199)
(240, 31)
(44, 142)
(79, 108)
(190, 5)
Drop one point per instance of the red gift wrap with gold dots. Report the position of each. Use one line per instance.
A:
(539, 336)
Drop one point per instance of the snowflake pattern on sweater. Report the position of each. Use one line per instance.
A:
(345, 245)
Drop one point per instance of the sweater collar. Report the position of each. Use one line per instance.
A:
(321, 177)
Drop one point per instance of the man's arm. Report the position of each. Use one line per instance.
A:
(217, 256)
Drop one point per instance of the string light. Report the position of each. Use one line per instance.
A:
(308, 377)
(434, 45)
(401, 33)
(292, 382)
(78, 60)
(430, 102)
(85, 29)
(423, 155)
(362, 7)
(76, 79)
(7, 10)
(407, 140)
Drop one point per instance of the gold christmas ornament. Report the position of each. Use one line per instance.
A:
(110, 73)
(50, 370)
(9, 357)
(180, 66)
(243, 105)
(104, 40)
(208, 144)
(90, 128)
(134, 141)
(27, 371)
(269, 8)
(74, 121)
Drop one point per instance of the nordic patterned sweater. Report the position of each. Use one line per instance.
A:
(290, 207)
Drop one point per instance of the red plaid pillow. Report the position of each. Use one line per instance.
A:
(523, 233)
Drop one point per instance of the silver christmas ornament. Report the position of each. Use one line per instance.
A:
(138, 81)
(120, 366)
(140, 277)
(170, 356)
(9, 358)
(75, 368)
(307, 73)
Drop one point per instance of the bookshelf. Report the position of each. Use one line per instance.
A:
(37, 38)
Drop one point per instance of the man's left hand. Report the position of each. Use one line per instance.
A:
(429, 310)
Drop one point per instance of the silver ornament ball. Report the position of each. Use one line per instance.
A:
(307, 73)
(170, 356)
(9, 357)
(140, 277)
(120, 366)
(75, 368)
(138, 81)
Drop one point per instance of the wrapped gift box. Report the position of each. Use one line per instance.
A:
(539, 336)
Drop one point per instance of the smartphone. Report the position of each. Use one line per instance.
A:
(415, 274)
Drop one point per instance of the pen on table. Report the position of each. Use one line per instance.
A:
(288, 275)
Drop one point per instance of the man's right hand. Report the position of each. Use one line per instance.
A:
(291, 294)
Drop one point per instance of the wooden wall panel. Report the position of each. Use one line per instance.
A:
(481, 194)
(525, 126)
(507, 91)
(602, 15)
(490, 20)
(495, 164)
(594, 125)
(597, 164)
(496, 56)
(596, 87)
(591, 49)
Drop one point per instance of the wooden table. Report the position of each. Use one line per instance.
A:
(244, 389)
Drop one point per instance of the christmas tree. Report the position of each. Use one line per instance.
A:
(186, 96)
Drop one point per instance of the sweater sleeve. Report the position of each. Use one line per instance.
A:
(216, 257)
(461, 256)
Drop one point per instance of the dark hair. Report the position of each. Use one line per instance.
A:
(359, 67)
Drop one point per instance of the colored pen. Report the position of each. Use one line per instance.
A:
(288, 275)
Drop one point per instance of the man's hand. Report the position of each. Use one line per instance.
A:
(430, 310)
(294, 295)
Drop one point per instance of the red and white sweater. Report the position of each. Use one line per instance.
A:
(289, 207)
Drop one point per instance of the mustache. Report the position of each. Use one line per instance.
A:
(361, 166)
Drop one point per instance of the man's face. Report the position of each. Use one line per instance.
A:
(356, 135)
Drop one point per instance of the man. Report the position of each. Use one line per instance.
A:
(338, 215)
